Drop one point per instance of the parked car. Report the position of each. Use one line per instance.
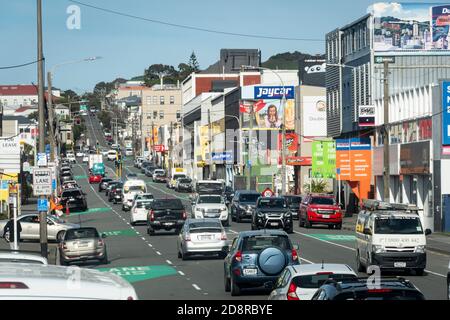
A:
(202, 237)
(82, 244)
(71, 158)
(272, 213)
(31, 282)
(74, 199)
(22, 257)
(183, 185)
(166, 214)
(139, 211)
(256, 260)
(30, 227)
(293, 202)
(103, 184)
(210, 206)
(359, 289)
(301, 282)
(320, 209)
(160, 178)
(243, 204)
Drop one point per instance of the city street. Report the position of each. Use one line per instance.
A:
(157, 273)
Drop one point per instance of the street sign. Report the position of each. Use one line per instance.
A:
(42, 182)
(159, 148)
(42, 159)
(267, 193)
(366, 116)
(10, 155)
(381, 60)
(42, 205)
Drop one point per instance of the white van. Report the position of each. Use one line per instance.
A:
(112, 155)
(129, 190)
(391, 237)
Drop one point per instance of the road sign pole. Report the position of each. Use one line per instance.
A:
(15, 205)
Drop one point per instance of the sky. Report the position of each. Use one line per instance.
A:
(128, 46)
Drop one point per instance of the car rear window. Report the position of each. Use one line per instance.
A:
(249, 197)
(167, 204)
(205, 230)
(259, 243)
(185, 180)
(73, 234)
(380, 294)
(205, 225)
(323, 200)
(146, 197)
(315, 281)
(74, 193)
(178, 176)
(143, 204)
(271, 203)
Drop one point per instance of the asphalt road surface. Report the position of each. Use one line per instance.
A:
(151, 263)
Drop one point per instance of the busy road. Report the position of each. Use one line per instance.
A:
(151, 263)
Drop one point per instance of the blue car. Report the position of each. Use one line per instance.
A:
(256, 259)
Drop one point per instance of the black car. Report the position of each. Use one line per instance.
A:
(184, 185)
(360, 289)
(144, 165)
(256, 260)
(74, 199)
(65, 176)
(115, 195)
(112, 184)
(149, 170)
(293, 202)
(104, 184)
(229, 193)
(166, 214)
(243, 204)
(272, 213)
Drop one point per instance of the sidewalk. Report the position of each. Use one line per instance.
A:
(436, 242)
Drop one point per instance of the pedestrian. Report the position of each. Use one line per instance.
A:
(8, 233)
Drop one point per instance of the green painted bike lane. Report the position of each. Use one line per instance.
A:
(136, 274)
(333, 237)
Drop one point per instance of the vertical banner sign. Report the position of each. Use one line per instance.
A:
(361, 159)
(343, 159)
(366, 116)
(324, 159)
(446, 113)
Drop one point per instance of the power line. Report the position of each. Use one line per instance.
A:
(193, 27)
(20, 65)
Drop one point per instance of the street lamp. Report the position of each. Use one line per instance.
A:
(283, 148)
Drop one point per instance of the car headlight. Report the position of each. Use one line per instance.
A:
(378, 249)
(420, 249)
(288, 214)
(224, 209)
(260, 214)
(242, 207)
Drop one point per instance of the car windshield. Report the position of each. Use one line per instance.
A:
(209, 187)
(259, 243)
(272, 203)
(293, 200)
(249, 197)
(185, 180)
(398, 226)
(168, 204)
(145, 196)
(73, 234)
(210, 199)
(143, 204)
(323, 200)
(74, 193)
(314, 281)
(178, 176)
(134, 189)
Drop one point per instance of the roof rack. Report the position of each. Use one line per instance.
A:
(378, 205)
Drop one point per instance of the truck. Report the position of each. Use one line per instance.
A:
(96, 165)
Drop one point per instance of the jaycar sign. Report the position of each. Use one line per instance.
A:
(274, 92)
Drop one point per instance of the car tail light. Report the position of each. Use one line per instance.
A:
(187, 237)
(184, 215)
(152, 216)
(238, 256)
(100, 243)
(237, 271)
(13, 285)
(223, 236)
(292, 294)
(294, 255)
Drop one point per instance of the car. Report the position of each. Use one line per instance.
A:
(131, 176)
(243, 204)
(157, 172)
(82, 244)
(210, 206)
(79, 154)
(301, 282)
(69, 184)
(361, 289)
(139, 211)
(85, 159)
(143, 196)
(65, 168)
(71, 158)
(202, 237)
(112, 184)
(103, 184)
(65, 176)
(30, 227)
(115, 146)
(74, 199)
(31, 282)
(11, 256)
(256, 260)
(95, 178)
(130, 189)
(112, 155)
(115, 195)
(128, 152)
(272, 212)
(138, 161)
(320, 209)
(166, 214)
(293, 202)
(182, 185)
(104, 152)
(149, 169)
(144, 165)
(160, 178)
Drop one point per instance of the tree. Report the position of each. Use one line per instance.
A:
(317, 186)
(77, 131)
(153, 73)
(193, 62)
(34, 116)
(105, 119)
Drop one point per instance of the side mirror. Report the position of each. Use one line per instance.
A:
(104, 236)
(428, 232)
(367, 231)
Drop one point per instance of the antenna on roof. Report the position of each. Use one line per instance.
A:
(322, 264)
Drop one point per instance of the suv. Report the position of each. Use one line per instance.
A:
(74, 199)
(167, 214)
(293, 203)
(320, 209)
(359, 289)
(272, 213)
(243, 204)
(104, 184)
(184, 184)
(211, 206)
(256, 259)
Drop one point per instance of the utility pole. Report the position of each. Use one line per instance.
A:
(50, 117)
(170, 149)
(386, 131)
(210, 142)
(250, 142)
(152, 142)
(40, 71)
(283, 147)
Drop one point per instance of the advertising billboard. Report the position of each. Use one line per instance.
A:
(415, 158)
(354, 159)
(268, 110)
(312, 70)
(314, 116)
(324, 159)
(410, 26)
(446, 113)
(366, 116)
(291, 142)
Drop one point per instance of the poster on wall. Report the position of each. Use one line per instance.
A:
(440, 26)
(354, 159)
(324, 159)
(446, 113)
(314, 116)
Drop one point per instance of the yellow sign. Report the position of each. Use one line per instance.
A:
(179, 169)
(4, 185)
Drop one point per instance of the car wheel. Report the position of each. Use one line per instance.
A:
(179, 254)
(132, 223)
(419, 271)
(290, 229)
(63, 262)
(359, 265)
(331, 226)
(235, 290)
(184, 256)
(339, 226)
(105, 259)
(307, 223)
(59, 236)
(253, 226)
(226, 223)
(227, 283)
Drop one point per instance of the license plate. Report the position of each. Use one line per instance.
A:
(205, 237)
(83, 245)
(400, 264)
(250, 272)
(326, 216)
(168, 223)
(274, 224)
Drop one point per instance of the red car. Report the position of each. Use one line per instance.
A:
(95, 178)
(320, 209)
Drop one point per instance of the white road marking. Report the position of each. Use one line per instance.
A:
(143, 238)
(169, 262)
(158, 253)
(181, 273)
(307, 261)
(234, 232)
(150, 245)
(436, 274)
(196, 287)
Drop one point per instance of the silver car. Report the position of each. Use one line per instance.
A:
(202, 237)
(30, 227)
(82, 244)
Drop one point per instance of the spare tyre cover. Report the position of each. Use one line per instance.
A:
(272, 261)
